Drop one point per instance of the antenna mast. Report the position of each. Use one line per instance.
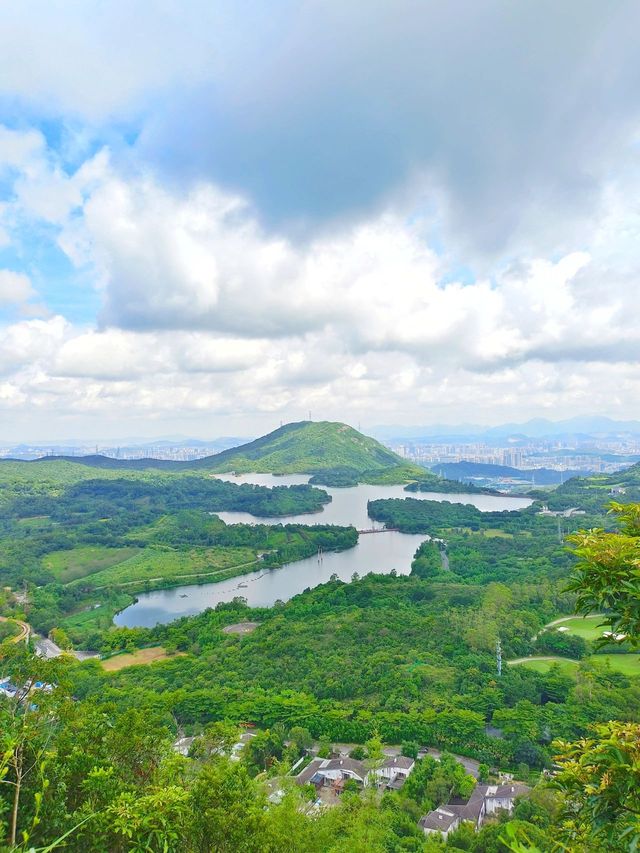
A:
(499, 657)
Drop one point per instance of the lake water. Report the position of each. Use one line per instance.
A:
(375, 552)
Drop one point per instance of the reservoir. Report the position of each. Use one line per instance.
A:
(380, 552)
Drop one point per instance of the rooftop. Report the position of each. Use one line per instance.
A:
(470, 809)
(401, 762)
(440, 819)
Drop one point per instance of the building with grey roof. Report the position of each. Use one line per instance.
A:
(485, 800)
(440, 820)
(328, 771)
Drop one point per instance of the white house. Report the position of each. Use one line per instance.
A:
(440, 820)
(485, 800)
(326, 771)
(394, 771)
(503, 796)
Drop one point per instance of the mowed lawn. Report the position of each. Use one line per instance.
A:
(80, 562)
(140, 656)
(152, 564)
(625, 663)
(588, 627)
(543, 665)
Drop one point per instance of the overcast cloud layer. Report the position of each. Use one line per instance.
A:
(220, 216)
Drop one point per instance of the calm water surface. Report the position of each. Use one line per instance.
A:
(375, 552)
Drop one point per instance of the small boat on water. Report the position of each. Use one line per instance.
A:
(183, 595)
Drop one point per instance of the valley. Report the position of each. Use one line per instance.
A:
(375, 609)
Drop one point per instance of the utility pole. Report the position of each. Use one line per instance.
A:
(499, 657)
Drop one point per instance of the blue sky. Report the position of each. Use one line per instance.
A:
(219, 216)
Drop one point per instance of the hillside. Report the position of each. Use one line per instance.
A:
(596, 491)
(317, 448)
(472, 471)
(334, 453)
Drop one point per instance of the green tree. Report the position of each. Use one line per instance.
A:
(606, 575)
(600, 778)
(27, 721)
(217, 739)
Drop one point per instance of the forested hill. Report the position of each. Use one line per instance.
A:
(311, 447)
(334, 453)
(472, 470)
(595, 492)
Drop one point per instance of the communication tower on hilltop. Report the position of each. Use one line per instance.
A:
(499, 657)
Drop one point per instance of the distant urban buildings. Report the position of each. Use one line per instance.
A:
(592, 455)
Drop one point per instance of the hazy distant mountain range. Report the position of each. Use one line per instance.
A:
(471, 472)
(536, 428)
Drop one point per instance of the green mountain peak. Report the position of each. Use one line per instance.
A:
(315, 447)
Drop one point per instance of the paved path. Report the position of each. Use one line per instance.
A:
(47, 649)
(542, 657)
(469, 764)
(575, 616)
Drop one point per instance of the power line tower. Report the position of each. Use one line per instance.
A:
(499, 657)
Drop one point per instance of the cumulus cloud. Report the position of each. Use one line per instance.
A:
(18, 148)
(427, 211)
(14, 287)
(512, 117)
(200, 262)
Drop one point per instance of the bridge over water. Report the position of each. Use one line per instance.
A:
(380, 530)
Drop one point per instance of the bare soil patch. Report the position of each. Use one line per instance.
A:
(140, 656)
(240, 628)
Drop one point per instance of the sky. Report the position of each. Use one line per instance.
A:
(223, 214)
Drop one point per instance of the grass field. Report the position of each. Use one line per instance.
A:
(72, 565)
(151, 564)
(583, 626)
(140, 656)
(543, 665)
(625, 663)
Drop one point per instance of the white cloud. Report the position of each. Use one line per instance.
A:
(200, 262)
(18, 148)
(95, 59)
(208, 315)
(15, 288)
